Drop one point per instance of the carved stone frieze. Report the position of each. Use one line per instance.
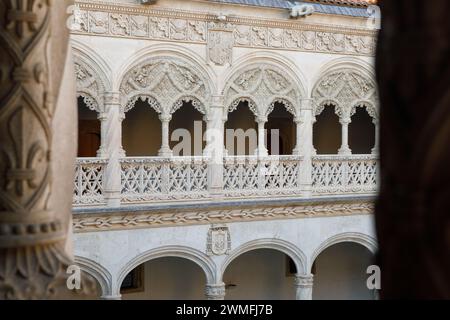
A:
(174, 25)
(89, 222)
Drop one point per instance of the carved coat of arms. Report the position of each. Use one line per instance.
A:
(219, 241)
(220, 43)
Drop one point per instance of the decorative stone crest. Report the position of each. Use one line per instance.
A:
(219, 241)
(220, 43)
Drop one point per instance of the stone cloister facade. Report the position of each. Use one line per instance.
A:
(212, 208)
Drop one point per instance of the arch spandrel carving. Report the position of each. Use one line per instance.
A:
(170, 81)
(266, 85)
(89, 86)
(346, 89)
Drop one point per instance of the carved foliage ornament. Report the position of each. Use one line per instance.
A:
(346, 89)
(263, 85)
(167, 81)
(32, 235)
(219, 241)
(89, 86)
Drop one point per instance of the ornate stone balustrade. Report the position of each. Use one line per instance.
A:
(344, 174)
(176, 178)
(89, 174)
(247, 176)
(149, 179)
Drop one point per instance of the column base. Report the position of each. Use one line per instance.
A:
(111, 297)
(345, 151)
(113, 199)
(375, 152)
(166, 153)
(262, 153)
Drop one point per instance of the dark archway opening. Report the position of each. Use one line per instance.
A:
(340, 273)
(186, 131)
(361, 134)
(241, 136)
(327, 132)
(280, 131)
(167, 278)
(89, 131)
(141, 131)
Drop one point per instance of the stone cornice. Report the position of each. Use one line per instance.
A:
(134, 21)
(91, 220)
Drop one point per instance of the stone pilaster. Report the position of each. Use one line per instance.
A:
(304, 287)
(305, 148)
(376, 148)
(112, 147)
(345, 148)
(215, 145)
(262, 150)
(165, 147)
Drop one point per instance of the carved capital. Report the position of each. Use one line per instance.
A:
(304, 281)
(215, 291)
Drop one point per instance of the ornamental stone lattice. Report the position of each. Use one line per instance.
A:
(261, 85)
(346, 89)
(170, 82)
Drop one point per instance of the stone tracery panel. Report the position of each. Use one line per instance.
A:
(169, 81)
(89, 85)
(262, 85)
(347, 89)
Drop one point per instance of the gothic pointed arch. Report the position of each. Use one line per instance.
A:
(169, 80)
(263, 84)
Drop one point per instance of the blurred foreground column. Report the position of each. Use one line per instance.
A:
(413, 218)
(37, 150)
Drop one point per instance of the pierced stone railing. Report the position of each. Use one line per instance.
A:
(254, 176)
(89, 173)
(344, 174)
(156, 179)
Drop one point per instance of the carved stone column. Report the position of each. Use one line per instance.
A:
(304, 287)
(165, 147)
(304, 147)
(215, 291)
(376, 148)
(345, 148)
(112, 131)
(215, 146)
(262, 150)
(37, 150)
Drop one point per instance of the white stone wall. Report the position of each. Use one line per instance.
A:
(110, 255)
(119, 252)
